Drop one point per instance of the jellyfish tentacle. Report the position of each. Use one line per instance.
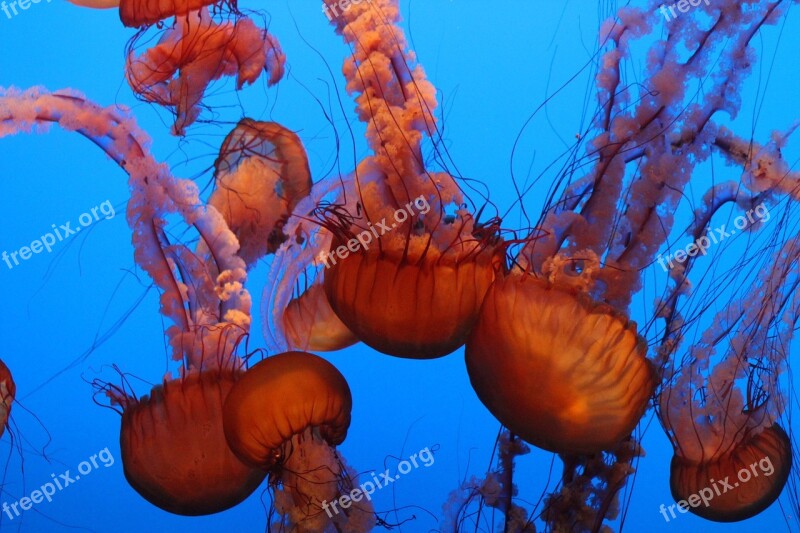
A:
(307, 241)
(194, 52)
(154, 194)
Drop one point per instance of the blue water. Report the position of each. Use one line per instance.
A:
(71, 314)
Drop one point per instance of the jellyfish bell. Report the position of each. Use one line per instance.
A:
(137, 13)
(267, 408)
(174, 451)
(737, 484)
(407, 278)
(285, 416)
(567, 374)
(96, 4)
(407, 269)
(8, 391)
(311, 324)
(260, 176)
(418, 305)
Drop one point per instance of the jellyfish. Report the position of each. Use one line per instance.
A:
(285, 416)
(194, 51)
(575, 374)
(8, 391)
(297, 313)
(401, 239)
(173, 447)
(721, 407)
(722, 412)
(260, 176)
(566, 298)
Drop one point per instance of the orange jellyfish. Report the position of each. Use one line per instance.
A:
(261, 175)
(737, 485)
(173, 448)
(565, 373)
(172, 442)
(721, 410)
(295, 308)
(285, 416)
(192, 53)
(409, 264)
(8, 391)
(311, 324)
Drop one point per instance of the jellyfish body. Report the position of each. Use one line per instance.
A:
(564, 373)
(284, 416)
(418, 307)
(260, 176)
(174, 451)
(407, 269)
(311, 324)
(738, 485)
(196, 51)
(173, 445)
(8, 391)
(137, 13)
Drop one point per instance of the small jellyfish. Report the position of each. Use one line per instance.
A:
(8, 391)
(565, 373)
(311, 324)
(721, 407)
(193, 52)
(196, 51)
(737, 485)
(285, 416)
(260, 176)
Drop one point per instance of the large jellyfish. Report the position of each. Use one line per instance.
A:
(397, 238)
(285, 416)
(598, 236)
(166, 459)
(574, 373)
